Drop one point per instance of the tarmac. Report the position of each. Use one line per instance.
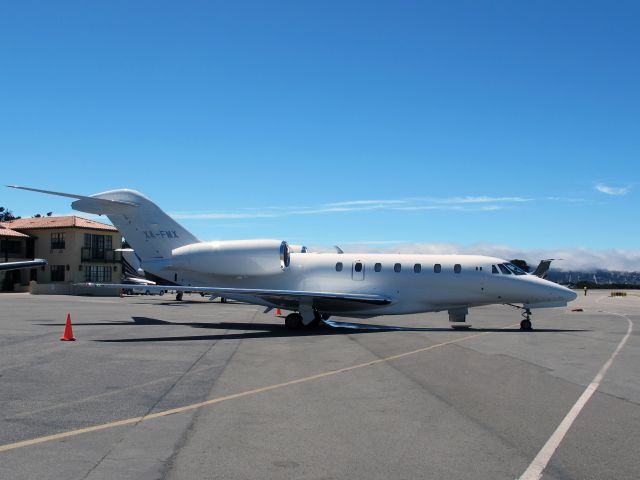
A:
(159, 389)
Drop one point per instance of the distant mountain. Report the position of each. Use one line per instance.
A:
(600, 277)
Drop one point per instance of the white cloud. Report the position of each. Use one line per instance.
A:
(416, 204)
(602, 188)
(482, 199)
(366, 202)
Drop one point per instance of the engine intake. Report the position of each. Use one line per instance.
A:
(234, 257)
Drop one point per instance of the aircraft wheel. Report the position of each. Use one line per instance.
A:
(179, 296)
(293, 321)
(317, 319)
(526, 325)
(461, 326)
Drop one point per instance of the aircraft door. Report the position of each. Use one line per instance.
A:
(357, 270)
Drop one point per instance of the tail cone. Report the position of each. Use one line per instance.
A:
(68, 331)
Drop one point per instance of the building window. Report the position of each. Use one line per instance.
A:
(57, 273)
(57, 241)
(437, 268)
(97, 247)
(11, 246)
(417, 268)
(97, 273)
(457, 268)
(339, 267)
(377, 267)
(397, 267)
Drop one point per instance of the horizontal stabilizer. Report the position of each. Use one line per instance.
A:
(105, 202)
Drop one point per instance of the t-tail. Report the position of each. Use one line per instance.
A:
(151, 232)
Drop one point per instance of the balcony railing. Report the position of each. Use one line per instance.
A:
(104, 256)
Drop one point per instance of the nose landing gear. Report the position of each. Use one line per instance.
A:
(525, 325)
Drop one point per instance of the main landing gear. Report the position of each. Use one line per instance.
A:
(525, 324)
(295, 321)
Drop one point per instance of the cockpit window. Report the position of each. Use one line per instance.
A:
(515, 269)
(494, 269)
(503, 269)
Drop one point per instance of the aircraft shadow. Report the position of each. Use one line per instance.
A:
(278, 330)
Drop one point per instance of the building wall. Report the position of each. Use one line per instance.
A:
(70, 257)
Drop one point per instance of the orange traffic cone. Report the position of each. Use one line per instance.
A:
(278, 312)
(68, 331)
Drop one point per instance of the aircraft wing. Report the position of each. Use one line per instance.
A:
(274, 298)
(25, 264)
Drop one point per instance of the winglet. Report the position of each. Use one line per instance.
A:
(542, 268)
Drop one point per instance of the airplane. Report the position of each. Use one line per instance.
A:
(38, 262)
(315, 286)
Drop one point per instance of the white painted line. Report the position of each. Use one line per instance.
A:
(215, 401)
(534, 472)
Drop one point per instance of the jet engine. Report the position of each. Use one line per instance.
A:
(234, 257)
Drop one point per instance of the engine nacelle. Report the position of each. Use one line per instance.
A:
(234, 257)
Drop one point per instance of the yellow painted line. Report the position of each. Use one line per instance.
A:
(214, 401)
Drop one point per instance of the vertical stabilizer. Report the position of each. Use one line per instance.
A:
(151, 232)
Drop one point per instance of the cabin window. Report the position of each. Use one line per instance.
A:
(480, 268)
(437, 268)
(377, 267)
(339, 267)
(397, 267)
(457, 268)
(504, 269)
(417, 268)
(358, 267)
(494, 269)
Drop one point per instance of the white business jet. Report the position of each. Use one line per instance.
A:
(315, 286)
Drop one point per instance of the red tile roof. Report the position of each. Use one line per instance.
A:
(57, 222)
(7, 232)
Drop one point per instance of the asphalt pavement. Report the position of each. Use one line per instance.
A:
(159, 389)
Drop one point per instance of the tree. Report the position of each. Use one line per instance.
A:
(7, 215)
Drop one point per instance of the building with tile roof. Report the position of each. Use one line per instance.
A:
(77, 250)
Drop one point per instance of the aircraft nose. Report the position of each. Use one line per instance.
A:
(568, 295)
(563, 293)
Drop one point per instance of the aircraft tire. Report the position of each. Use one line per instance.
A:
(293, 321)
(179, 296)
(526, 325)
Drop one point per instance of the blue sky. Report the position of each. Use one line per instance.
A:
(379, 124)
